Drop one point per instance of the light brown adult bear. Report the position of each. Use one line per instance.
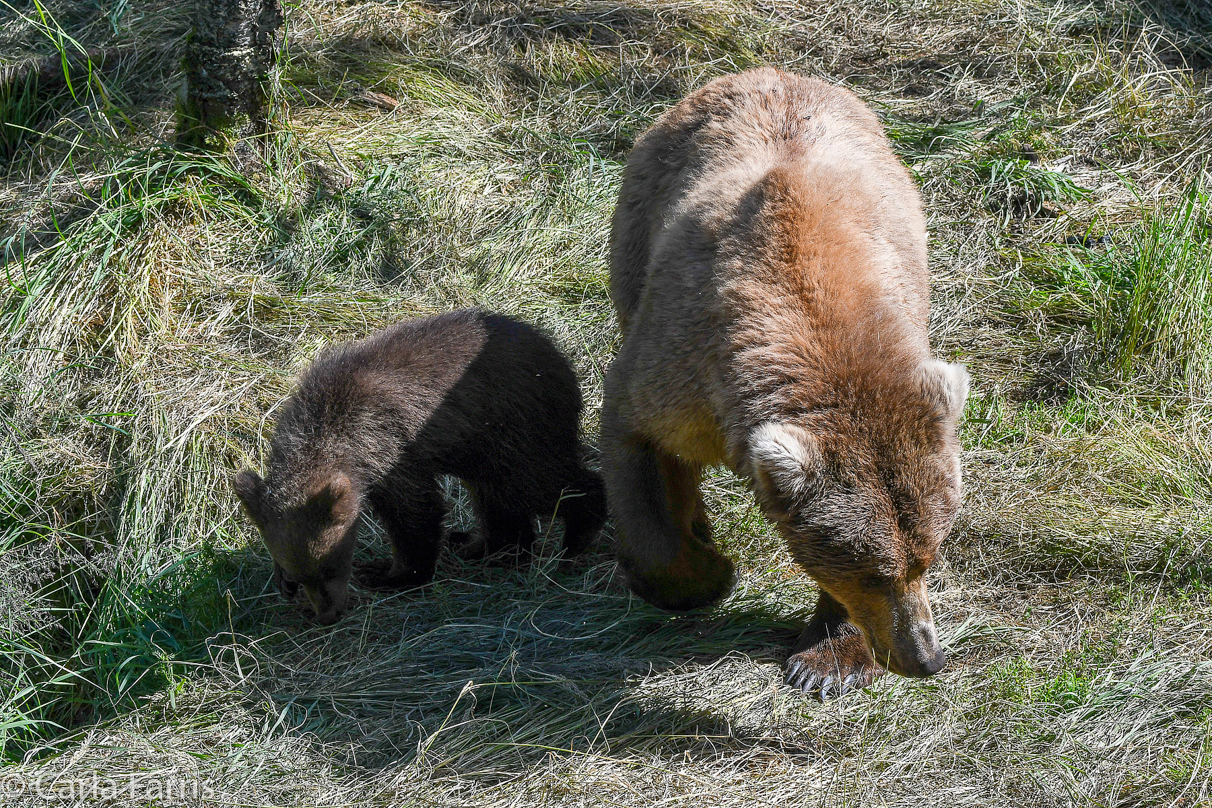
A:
(768, 265)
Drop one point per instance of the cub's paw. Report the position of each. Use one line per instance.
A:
(833, 666)
(467, 545)
(385, 574)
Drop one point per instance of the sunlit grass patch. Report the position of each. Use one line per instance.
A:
(996, 153)
(1145, 293)
(1090, 485)
(109, 478)
(430, 155)
(1157, 313)
(1140, 105)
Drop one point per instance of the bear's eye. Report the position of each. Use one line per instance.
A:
(874, 582)
(287, 585)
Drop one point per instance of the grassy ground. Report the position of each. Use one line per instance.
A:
(433, 154)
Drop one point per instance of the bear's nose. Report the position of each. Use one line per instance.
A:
(328, 618)
(935, 663)
(928, 654)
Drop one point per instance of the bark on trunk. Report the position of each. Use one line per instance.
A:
(227, 68)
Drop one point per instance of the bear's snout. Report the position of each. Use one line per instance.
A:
(329, 617)
(917, 655)
(329, 600)
(907, 643)
(925, 657)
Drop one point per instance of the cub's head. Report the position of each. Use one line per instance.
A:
(864, 499)
(311, 540)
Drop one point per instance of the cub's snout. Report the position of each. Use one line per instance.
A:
(329, 599)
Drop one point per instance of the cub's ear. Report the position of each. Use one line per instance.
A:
(334, 501)
(945, 385)
(251, 490)
(785, 464)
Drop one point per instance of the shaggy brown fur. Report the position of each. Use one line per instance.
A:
(374, 423)
(769, 268)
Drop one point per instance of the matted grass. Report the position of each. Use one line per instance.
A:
(431, 155)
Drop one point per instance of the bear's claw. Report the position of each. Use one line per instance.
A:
(832, 667)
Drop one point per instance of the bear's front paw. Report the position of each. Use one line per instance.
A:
(386, 574)
(833, 666)
(698, 576)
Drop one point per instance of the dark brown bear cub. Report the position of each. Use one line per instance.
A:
(374, 423)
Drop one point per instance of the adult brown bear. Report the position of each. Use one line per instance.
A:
(768, 265)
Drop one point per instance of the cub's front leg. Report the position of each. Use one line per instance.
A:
(412, 515)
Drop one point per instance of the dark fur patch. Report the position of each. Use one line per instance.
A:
(374, 423)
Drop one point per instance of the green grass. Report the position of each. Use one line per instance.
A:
(103, 613)
(156, 305)
(996, 151)
(1142, 292)
(1157, 306)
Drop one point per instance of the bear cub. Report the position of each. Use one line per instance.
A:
(374, 423)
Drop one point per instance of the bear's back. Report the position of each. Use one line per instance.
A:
(438, 389)
(769, 251)
(691, 172)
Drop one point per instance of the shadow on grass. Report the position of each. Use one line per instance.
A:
(601, 25)
(91, 644)
(1186, 24)
(488, 670)
(621, 57)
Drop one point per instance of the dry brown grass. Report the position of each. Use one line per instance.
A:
(157, 304)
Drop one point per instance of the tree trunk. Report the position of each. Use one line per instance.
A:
(227, 69)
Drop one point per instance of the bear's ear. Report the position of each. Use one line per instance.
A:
(335, 500)
(945, 385)
(785, 464)
(251, 490)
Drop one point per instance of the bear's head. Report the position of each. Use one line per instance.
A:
(311, 537)
(864, 497)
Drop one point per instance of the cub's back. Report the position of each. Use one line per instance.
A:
(437, 384)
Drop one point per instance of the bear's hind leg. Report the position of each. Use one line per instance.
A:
(502, 525)
(412, 515)
(583, 507)
(831, 656)
(664, 540)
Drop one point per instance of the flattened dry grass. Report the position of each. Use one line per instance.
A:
(434, 154)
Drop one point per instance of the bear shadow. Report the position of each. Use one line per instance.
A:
(490, 669)
(1186, 28)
